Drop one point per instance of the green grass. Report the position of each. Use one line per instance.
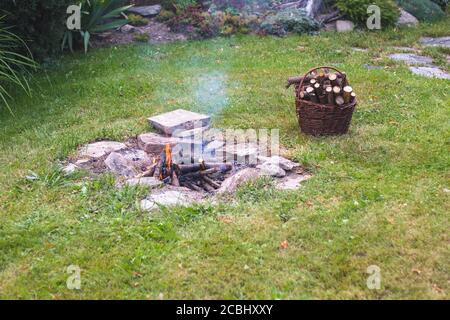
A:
(378, 195)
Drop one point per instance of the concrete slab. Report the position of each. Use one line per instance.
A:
(179, 119)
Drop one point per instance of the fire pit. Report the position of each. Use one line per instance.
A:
(189, 161)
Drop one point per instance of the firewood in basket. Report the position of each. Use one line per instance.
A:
(339, 101)
(323, 99)
(330, 96)
(353, 96)
(297, 80)
(336, 91)
(347, 94)
(317, 90)
(308, 92)
(313, 81)
(314, 98)
(332, 77)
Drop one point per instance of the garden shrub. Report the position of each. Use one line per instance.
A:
(41, 23)
(356, 10)
(442, 3)
(194, 22)
(292, 20)
(424, 10)
(137, 20)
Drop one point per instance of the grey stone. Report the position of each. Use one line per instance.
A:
(119, 165)
(408, 49)
(407, 19)
(430, 72)
(144, 181)
(230, 184)
(154, 143)
(292, 181)
(146, 11)
(70, 168)
(137, 157)
(411, 58)
(436, 42)
(344, 26)
(170, 197)
(283, 163)
(168, 122)
(370, 67)
(127, 28)
(359, 49)
(271, 169)
(99, 149)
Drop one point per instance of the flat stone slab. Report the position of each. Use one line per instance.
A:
(154, 143)
(436, 42)
(411, 58)
(179, 119)
(100, 149)
(146, 11)
(430, 72)
(171, 197)
(144, 181)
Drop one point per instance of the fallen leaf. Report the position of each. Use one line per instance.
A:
(416, 271)
(284, 244)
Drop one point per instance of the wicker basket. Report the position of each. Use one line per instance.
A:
(322, 119)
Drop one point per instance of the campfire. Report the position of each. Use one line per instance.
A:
(200, 176)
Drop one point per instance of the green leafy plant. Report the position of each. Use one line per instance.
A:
(442, 3)
(424, 10)
(13, 65)
(356, 10)
(98, 17)
(40, 23)
(137, 20)
(290, 20)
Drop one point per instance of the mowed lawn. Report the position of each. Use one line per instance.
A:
(379, 195)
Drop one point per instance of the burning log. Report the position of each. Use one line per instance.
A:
(188, 168)
(206, 186)
(199, 174)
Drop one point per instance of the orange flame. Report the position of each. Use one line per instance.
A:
(168, 156)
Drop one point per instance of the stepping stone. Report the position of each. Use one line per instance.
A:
(100, 149)
(430, 72)
(408, 49)
(168, 122)
(369, 67)
(146, 11)
(359, 49)
(411, 58)
(436, 42)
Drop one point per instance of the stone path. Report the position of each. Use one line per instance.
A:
(436, 42)
(422, 65)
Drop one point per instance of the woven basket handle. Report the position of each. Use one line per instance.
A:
(316, 68)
